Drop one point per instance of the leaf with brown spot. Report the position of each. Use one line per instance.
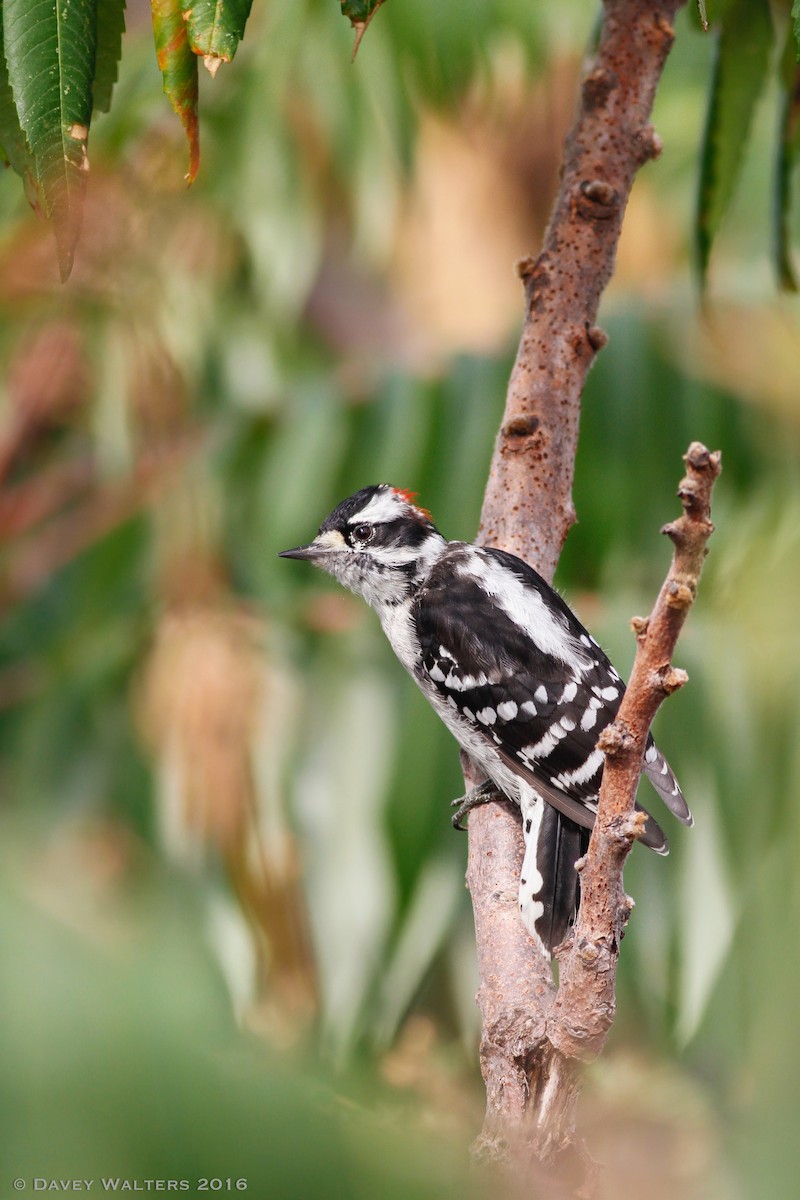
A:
(178, 66)
(50, 49)
(215, 29)
(360, 14)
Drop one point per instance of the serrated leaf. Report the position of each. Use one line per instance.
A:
(215, 29)
(50, 48)
(13, 143)
(360, 13)
(178, 66)
(740, 70)
(110, 28)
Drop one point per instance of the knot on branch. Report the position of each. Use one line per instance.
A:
(535, 276)
(587, 1034)
(649, 144)
(698, 458)
(597, 87)
(614, 740)
(624, 830)
(596, 337)
(690, 494)
(621, 915)
(597, 200)
(513, 1031)
(702, 468)
(680, 593)
(669, 679)
(520, 425)
(640, 626)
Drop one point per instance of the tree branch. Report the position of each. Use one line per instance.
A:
(528, 504)
(582, 1013)
(528, 509)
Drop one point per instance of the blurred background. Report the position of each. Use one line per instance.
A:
(238, 939)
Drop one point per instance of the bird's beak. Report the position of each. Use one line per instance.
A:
(322, 545)
(311, 551)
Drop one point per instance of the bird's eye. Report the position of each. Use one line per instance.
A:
(363, 533)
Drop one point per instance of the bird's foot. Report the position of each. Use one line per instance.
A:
(483, 793)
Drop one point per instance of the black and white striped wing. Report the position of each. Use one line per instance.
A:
(522, 684)
(509, 657)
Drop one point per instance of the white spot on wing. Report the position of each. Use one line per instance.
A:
(589, 718)
(544, 746)
(569, 693)
(583, 772)
(541, 694)
(486, 716)
(507, 711)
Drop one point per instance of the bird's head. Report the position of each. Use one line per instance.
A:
(377, 543)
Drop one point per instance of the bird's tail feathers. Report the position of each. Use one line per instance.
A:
(660, 774)
(549, 887)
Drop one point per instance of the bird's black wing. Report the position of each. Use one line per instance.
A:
(509, 657)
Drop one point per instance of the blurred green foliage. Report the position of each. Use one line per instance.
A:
(197, 740)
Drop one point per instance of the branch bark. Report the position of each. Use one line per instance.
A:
(583, 1010)
(528, 504)
(531, 1081)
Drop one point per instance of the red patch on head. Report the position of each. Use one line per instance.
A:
(409, 498)
(406, 494)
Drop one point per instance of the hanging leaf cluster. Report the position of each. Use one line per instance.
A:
(58, 66)
(751, 36)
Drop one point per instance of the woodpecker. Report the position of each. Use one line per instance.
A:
(509, 668)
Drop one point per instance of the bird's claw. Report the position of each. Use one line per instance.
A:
(483, 793)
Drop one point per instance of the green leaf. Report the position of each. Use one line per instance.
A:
(110, 28)
(788, 147)
(178, 66)
(796, 25)
(215, 29)
(50, 50)
(360, 13)
(740, 69)
(13, 143)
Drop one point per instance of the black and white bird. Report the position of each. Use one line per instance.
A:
(511, 671)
